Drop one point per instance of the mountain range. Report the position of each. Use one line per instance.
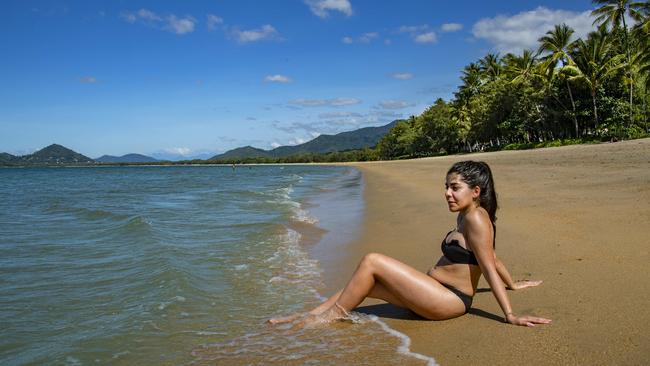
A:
(351, 140)
(57, 155)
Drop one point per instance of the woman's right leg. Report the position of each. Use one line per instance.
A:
(378, 292)
(404, 286)
(413, 289)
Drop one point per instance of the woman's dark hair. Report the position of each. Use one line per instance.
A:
(478, 173)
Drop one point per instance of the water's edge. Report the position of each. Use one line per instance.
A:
(342, 233)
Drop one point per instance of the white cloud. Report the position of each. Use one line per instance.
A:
(297, 141)
(88, 79)
(412, 28)
(521, 31)
(429, 37)
(267, 32)
(402, 76)
(337, 102)
(278, 79)
(368, 37)
(275, 144)
(213, 21)
(451, 27)
(171, 23)
(336, 122)
(419, 33)
(321, 8)
(180, 25)
(128, 17)
(364, 38)
(148, 15)
(338, 115)
(394, 104)
(183, 151)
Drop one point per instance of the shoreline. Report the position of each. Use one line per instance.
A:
(574, 216)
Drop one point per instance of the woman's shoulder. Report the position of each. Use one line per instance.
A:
(478, 228)
(478, 217)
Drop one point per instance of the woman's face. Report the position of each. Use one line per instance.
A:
(459, 195)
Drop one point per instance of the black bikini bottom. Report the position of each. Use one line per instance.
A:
(465, 298)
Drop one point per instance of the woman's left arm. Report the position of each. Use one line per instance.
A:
(478, 232)
(507, 279)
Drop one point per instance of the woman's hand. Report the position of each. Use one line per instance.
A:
(519, 285)
(526, 320)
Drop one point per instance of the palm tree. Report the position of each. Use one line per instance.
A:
(556, 42)
(491, 66)
(594, 61)
(471, 81)
(612, 12)
(522, 69)
(641, 58)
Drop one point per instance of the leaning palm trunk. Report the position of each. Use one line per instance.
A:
(573, 105)
(629, 69)
(593, 99)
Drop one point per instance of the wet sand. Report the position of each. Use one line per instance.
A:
(577, 217)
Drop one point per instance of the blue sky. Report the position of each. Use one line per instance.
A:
(178, 79)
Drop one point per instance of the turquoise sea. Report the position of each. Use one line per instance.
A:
(179, 265)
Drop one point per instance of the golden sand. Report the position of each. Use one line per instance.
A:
(577, 217)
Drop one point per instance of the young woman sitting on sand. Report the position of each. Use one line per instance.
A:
(446, 290)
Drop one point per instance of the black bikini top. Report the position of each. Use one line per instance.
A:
(457, 254)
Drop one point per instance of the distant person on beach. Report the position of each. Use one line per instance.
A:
(447, 289)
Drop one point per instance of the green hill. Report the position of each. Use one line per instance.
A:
(52, 155)
(128, 158)
(242, 153)
(7, 159)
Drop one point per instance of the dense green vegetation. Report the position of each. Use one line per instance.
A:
(567, 91)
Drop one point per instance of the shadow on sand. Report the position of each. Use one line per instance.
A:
(394, 312)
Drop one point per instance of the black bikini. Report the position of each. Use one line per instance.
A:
(457, 254)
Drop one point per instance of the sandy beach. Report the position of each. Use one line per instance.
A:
(576, 217)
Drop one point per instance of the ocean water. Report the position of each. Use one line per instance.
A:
(178, 266)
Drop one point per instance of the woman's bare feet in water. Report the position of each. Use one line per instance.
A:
(334, 313)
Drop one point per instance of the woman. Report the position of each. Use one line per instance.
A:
(446, 290)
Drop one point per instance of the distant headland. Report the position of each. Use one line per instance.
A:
(345, 146)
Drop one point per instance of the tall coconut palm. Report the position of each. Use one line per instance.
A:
(522, 69)
(594, 61)
(471, 81)
(641, 58)
(613, 12)
(491, 66)
(556, 42)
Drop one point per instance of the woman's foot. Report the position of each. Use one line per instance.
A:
(330, 315)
